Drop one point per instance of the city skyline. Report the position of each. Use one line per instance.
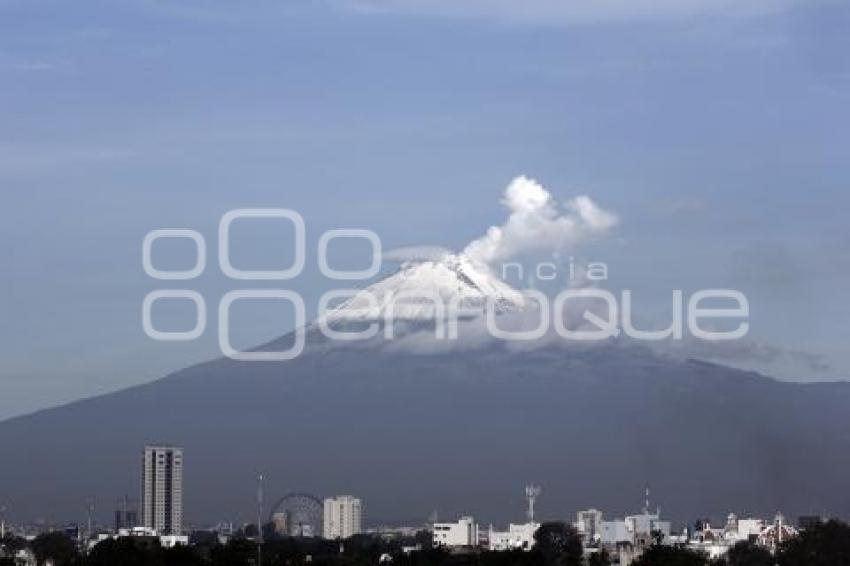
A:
(622, 539)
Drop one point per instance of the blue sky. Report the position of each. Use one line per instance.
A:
(718, 131)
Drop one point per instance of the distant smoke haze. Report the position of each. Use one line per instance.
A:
(416, 253)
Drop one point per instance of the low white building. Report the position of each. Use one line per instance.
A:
(746, 529)
(137, 532)
(616, 532)
(635, 529)
(626, 539)
(716, 542)
(517, 537)
(776, 533)
(464, 532)
(646, 526)
(170, 541)
(165, 541)
(588, 523)
(25, 557)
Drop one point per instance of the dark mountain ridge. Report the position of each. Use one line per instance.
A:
(455, 432)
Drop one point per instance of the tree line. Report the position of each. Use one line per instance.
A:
(556, 544)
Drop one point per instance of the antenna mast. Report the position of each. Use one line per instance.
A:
(531, 493)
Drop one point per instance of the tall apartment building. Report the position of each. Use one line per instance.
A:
(343, 517)
(162, 489)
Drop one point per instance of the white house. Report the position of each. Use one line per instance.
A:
(464, 532)
(614, 532)
(517, 537)
(170, 541)
(587, 523)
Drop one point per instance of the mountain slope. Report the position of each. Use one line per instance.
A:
(458, 431)
(453, 432)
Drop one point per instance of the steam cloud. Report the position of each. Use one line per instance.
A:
(416, 253)
(537, 222)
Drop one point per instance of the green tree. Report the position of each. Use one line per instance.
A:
(657, 555)
(125, 551)
(54, 546)
(179, 556)
(364, 548)
(748, 554)
(508, 558)
(558, 544)
(250, 531)
(13, 544)
(599, 558)
(424, 539)
(824, 544)
(236, 551)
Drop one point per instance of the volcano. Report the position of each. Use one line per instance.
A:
(458, 431)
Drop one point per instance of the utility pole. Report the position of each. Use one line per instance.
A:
(84, 541)
(259, 519)
(2, 522)
(90, 513)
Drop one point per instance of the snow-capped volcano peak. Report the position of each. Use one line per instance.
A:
(410, 293)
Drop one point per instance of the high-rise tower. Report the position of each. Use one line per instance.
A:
(162, 489)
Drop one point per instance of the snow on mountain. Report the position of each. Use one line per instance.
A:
(410, 293)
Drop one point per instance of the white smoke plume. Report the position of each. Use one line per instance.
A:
(416, 253)
(538, 222)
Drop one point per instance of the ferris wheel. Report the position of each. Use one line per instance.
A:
(299, 514)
